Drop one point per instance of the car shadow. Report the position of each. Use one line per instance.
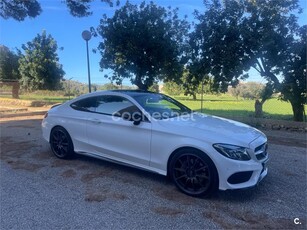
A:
(164, 187)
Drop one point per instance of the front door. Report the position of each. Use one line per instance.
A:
(111, 132)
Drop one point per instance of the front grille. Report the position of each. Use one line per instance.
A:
(261, 151)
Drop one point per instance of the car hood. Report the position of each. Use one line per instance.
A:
(211, 128)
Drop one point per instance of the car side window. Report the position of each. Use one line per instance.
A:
(108, 105)
(113, 105)
(87, 104)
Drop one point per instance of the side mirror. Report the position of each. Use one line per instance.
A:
(126, 116)
(136, 118)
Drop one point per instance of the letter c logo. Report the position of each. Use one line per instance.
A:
(296, 221)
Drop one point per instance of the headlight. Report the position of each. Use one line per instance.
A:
(232, 151)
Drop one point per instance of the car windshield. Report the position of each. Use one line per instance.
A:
(160, 106)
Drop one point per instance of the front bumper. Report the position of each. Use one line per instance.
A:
(264, 171)
(244, 174)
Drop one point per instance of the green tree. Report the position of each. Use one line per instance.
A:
(266, 33)
(39, 65)
(248, 90)
(143, 43)
(190, 84)
(8, 64)
(216, 46)
(154, 88)
(233, 36)
(21, 9)
(193, 84)
(251, 90)
(293, 87)
(235, 91)
(109, 86)
(269, 34)
(172, 88)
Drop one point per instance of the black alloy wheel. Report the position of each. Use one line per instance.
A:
(61, 143)
(194, 173)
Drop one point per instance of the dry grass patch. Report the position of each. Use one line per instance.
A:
(89, 177)
(172, 194)
(69, 173)
(24, 165)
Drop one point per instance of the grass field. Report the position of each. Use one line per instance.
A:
(221, 105)
(46, 96)
(226, 105)
(49, 99)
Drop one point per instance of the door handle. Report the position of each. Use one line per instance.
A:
(96, 121)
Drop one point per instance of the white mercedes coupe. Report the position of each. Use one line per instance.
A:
(154, 132)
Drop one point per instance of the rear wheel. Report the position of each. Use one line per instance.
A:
(194, 173)
(61, 143)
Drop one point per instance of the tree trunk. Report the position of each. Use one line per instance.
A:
(258, 109)
(142, 86)
(298, 111)
(194, 96)
(138, 82)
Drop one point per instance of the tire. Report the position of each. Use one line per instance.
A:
(194, 173)
(61, 143)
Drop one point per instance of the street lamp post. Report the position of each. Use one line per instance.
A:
(69, 87)
(86, 35)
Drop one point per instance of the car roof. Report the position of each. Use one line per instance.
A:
(131, 92)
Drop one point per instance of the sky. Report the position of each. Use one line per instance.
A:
(66, 30)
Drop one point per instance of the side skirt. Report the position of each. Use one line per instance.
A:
(125, 163)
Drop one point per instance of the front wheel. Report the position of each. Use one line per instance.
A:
(61, 143)
(194, 173)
